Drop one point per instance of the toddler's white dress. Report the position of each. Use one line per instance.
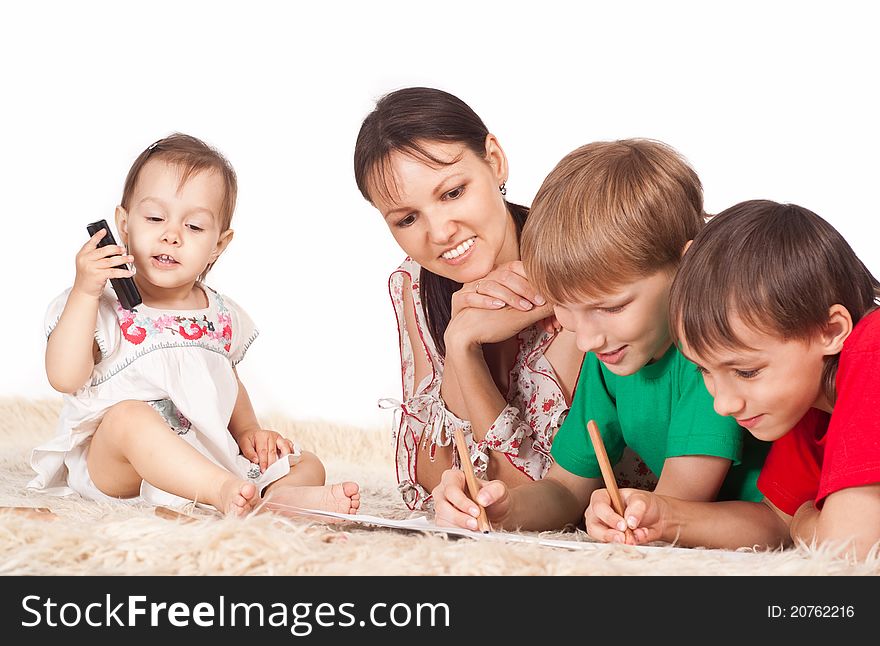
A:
(181, 363)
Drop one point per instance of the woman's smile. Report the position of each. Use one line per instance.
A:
(460, 253)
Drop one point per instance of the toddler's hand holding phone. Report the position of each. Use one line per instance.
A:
(96, 265)
(101, 259)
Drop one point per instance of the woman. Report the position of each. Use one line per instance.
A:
(480, 350)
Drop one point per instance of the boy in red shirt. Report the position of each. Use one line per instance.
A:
(779, 314)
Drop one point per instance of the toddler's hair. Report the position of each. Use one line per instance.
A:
(193, 156)
(776, 267)
(609, 213)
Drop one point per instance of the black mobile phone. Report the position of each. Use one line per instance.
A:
(125, 289)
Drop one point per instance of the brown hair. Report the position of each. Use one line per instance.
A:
(778, 268)
(610, 212)
(403, 121)
(193, 156)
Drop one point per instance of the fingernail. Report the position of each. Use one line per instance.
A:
(473, 511)
(526, 305)
(621, 526)
(539, 300)
(498, 303)
(632, 522)
(472, 523)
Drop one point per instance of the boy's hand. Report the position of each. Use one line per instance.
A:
(644, 514)
(95, 265)
(264, 447)
(505, 285)
(453, 507)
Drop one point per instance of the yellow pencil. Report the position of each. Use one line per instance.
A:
(468, 468)
(607, 472)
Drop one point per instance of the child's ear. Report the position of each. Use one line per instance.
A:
(687, 245)
(836, 329)
(496, 158)
(222, 242)
(122, 225)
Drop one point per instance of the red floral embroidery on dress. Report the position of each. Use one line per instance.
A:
(137, 336)
(196, 332)
(137, 326)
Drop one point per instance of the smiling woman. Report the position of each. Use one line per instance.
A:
(480, 350)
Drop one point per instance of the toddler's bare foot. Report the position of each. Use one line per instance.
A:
(343, 498)
(238, 497)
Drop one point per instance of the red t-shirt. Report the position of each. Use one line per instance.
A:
(826, 453)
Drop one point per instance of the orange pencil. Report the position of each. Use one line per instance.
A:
(468, 468)
(607, 472)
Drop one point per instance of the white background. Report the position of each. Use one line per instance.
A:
(766, 99)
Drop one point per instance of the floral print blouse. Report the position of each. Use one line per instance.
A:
(522, 432)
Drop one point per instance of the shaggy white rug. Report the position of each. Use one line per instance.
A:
(84, 537)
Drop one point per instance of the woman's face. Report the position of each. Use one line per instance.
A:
(451, 219)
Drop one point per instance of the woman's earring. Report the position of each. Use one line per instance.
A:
(503, 188)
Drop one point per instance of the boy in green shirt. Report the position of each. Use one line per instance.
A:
(602, 242)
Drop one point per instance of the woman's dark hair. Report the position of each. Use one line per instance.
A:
(402, 121)
(777, 267)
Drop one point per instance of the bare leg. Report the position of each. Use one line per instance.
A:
(133, 443)
(304, 487)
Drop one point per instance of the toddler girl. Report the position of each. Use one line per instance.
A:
(154, 410)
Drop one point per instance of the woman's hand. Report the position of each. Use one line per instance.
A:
(474, 326)
(453, 507)
(505, 285)
(95, 265)
(264, 447)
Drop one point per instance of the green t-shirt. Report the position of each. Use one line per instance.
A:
(662, 411)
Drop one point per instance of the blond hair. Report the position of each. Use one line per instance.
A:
(609, 213)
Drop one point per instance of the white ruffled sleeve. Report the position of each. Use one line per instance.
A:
(107, 332)
(506, 435)
(241, 330)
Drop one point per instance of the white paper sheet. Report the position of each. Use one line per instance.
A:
(424, 524)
